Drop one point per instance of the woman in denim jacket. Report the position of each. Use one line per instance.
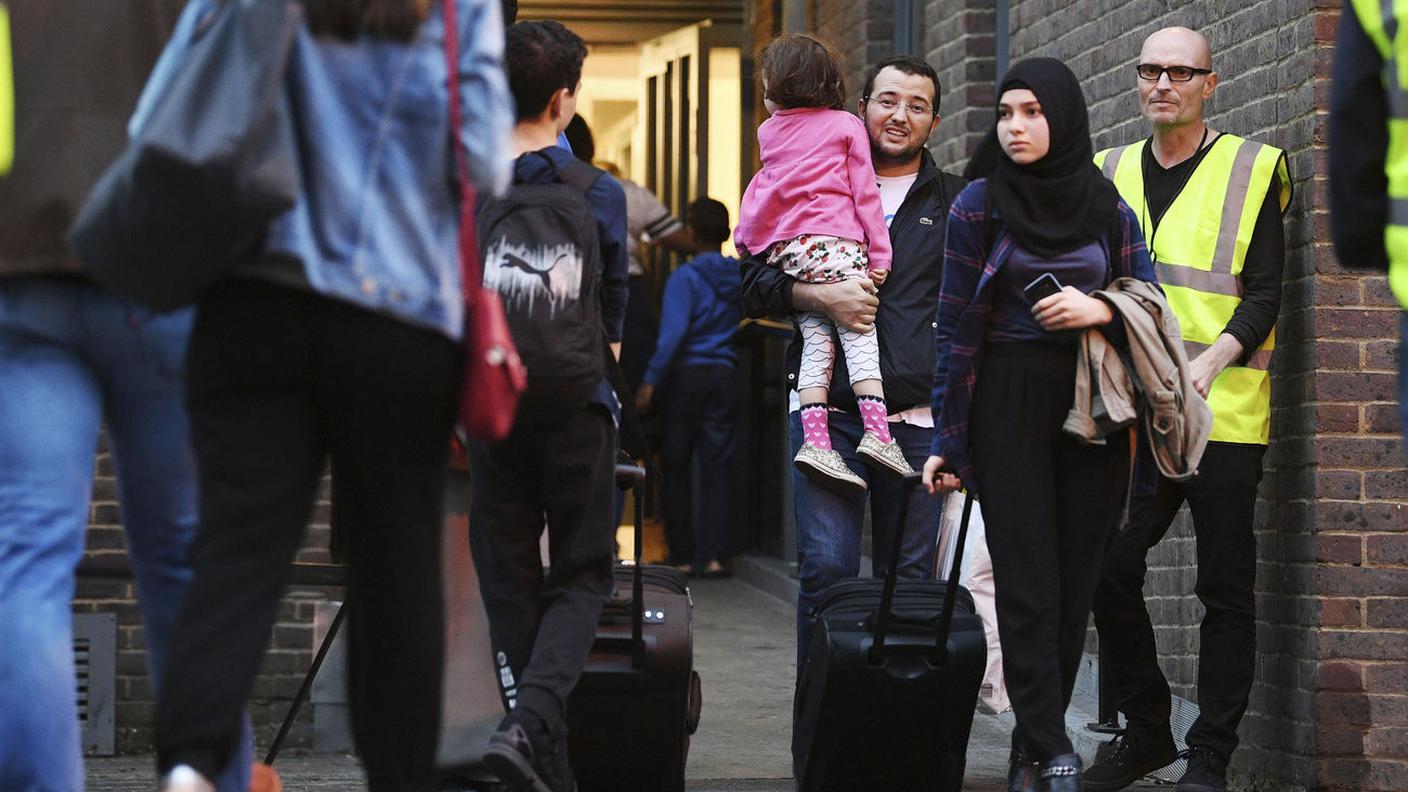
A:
(339, 344)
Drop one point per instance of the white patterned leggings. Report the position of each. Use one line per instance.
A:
(813, 258)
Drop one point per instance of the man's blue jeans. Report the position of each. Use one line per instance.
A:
(829, 524)
(72, 357)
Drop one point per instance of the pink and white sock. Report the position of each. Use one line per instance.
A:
(816, 427)
(874, 417)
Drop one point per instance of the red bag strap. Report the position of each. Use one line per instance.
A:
(470, 268)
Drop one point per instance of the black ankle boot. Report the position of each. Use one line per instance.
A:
(1022, 773)
(1061, 774)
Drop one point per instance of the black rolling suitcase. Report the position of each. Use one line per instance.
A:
(887, 689)
(630, 717)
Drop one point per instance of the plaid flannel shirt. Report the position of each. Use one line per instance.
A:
(965, 306)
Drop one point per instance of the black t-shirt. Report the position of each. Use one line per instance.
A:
(1253, 319)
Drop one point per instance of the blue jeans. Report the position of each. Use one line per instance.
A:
(829, 524)
(72, 357)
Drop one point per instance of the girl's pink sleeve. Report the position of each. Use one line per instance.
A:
(743, 232)
(866, 195)
(749, 208)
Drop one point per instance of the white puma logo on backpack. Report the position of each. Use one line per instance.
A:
(523, 274)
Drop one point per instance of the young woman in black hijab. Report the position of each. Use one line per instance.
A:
(1037, 210)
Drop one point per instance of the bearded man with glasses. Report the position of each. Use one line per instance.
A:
(900, 110)
(1210, 204)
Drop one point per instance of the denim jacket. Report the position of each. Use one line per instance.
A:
(376, 224)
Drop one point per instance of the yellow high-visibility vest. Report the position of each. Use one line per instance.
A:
(1377, 18)
(1199, 248)
(7, 95)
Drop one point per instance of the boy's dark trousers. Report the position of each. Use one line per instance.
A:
(542, 622)
(1222, 499)
(701, 421)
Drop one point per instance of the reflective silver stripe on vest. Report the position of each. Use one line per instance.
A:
(1260, 359)
(1398, 211)
(1198, 280)
(1397, 96)
(1238, 184)
(1112, 161)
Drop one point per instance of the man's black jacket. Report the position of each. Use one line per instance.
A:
(908, 300)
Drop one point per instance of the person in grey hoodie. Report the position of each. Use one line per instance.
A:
(694, 366)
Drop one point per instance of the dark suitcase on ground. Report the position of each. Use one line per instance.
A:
(631, 714)
(886, 693)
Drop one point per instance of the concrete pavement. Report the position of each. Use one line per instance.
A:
(744, 653)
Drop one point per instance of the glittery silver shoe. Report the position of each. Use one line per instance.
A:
(827, 468)
(886, 455)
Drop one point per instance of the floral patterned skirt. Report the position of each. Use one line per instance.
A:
(816, 258)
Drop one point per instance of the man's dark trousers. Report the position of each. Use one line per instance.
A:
(1222, 499)
(542, 623)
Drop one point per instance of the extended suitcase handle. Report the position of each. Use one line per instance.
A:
(632, 476)
(887, 596)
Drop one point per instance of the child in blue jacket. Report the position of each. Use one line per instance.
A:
(695, 368)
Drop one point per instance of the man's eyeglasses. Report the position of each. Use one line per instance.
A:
(889, 105)
(1152, 73)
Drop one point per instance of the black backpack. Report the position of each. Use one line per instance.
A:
(542, 255)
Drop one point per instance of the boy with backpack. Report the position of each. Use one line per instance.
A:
(554, 249)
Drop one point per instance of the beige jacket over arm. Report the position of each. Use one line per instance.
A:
(1151, 381)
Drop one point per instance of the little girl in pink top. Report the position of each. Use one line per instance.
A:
(814, 211)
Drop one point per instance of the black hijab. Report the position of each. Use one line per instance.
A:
(1062, 201)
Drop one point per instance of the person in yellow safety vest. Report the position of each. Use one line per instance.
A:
(7, 95)
(1368, 158)
(1210, 204)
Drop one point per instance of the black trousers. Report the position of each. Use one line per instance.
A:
(701, 426)
(1049, 504)
(279, 382)
(560, 473)
(1222, 498)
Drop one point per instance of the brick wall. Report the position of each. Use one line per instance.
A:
(959, 43)
(864, 32)
(1329, 710)
(287, 659)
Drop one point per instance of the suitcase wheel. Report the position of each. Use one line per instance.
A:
(696, 702)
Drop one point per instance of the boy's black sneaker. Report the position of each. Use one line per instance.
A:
(514, 758)
(1207, 772)
(1132, 759)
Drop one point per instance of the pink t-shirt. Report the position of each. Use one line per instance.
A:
(816, 179)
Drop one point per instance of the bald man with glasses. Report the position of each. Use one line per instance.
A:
(1210, 204)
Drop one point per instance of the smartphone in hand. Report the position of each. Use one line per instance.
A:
(1042, 287)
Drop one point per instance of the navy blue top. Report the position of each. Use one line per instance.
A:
(700, 314)
(1086, 268)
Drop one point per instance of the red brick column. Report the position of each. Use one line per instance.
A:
(1361, 674)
